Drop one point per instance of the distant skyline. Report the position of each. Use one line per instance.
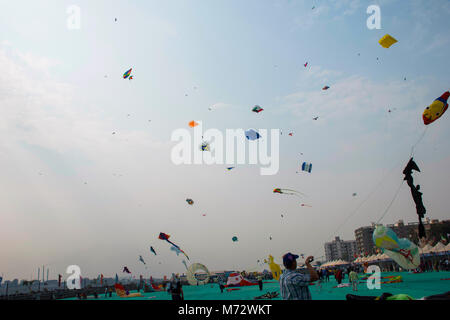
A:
(74, 193)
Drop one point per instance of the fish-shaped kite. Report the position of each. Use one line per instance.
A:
(435, 110)
(163, 236)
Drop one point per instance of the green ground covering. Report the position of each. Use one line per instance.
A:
(415, 285)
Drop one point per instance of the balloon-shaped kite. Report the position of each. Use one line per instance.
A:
(163, 236)
(435, 110)
(402, 251)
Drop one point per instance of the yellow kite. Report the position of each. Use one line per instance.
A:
(387, 41)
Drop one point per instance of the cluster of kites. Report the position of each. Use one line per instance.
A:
(403, 251)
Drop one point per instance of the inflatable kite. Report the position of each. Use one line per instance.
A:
(435, 110)
(237, 280)
(307, 167)
(252, 135)
(274, 268)
(153, 250)
(163, 236)
(127, 73)
(257, 109)
(387, 41)
(190, 274)
(122, 293)
(402, 251)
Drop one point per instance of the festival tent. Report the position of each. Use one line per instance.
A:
(426, 249)
(439, 247)
(237, 280)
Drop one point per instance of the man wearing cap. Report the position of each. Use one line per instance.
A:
(294, 285)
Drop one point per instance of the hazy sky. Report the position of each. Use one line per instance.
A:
(74, 193)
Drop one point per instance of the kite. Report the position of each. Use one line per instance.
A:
(127, 74)
(176, 250)
(125, 269)
(230, 168)
(190, 274)
(163, 236)
(287, 191)
(234, 239)
(193, 124)
(402, 251)
(326, 88)
(291, 134)
(130, 78)
(315, 118)
(435, 110)
(122, 293)
(257, 109)
(416, 194)
(354, 194)
(141, 259)
(184, 262)
(306, 64)
(274, 268)
(307, 167)
(153, 250)
(252, 135)
(190, 201)
(270, 237)
(205, 146)
(387, 41)
(306, 205)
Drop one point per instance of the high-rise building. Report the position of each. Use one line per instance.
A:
(340, 249)
(434, 230)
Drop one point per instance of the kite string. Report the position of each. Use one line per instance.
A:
(418, 141)
(362, 203)
(392, 201)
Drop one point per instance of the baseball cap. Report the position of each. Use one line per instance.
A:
(288, 258)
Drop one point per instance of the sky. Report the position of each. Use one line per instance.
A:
(73, 193)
